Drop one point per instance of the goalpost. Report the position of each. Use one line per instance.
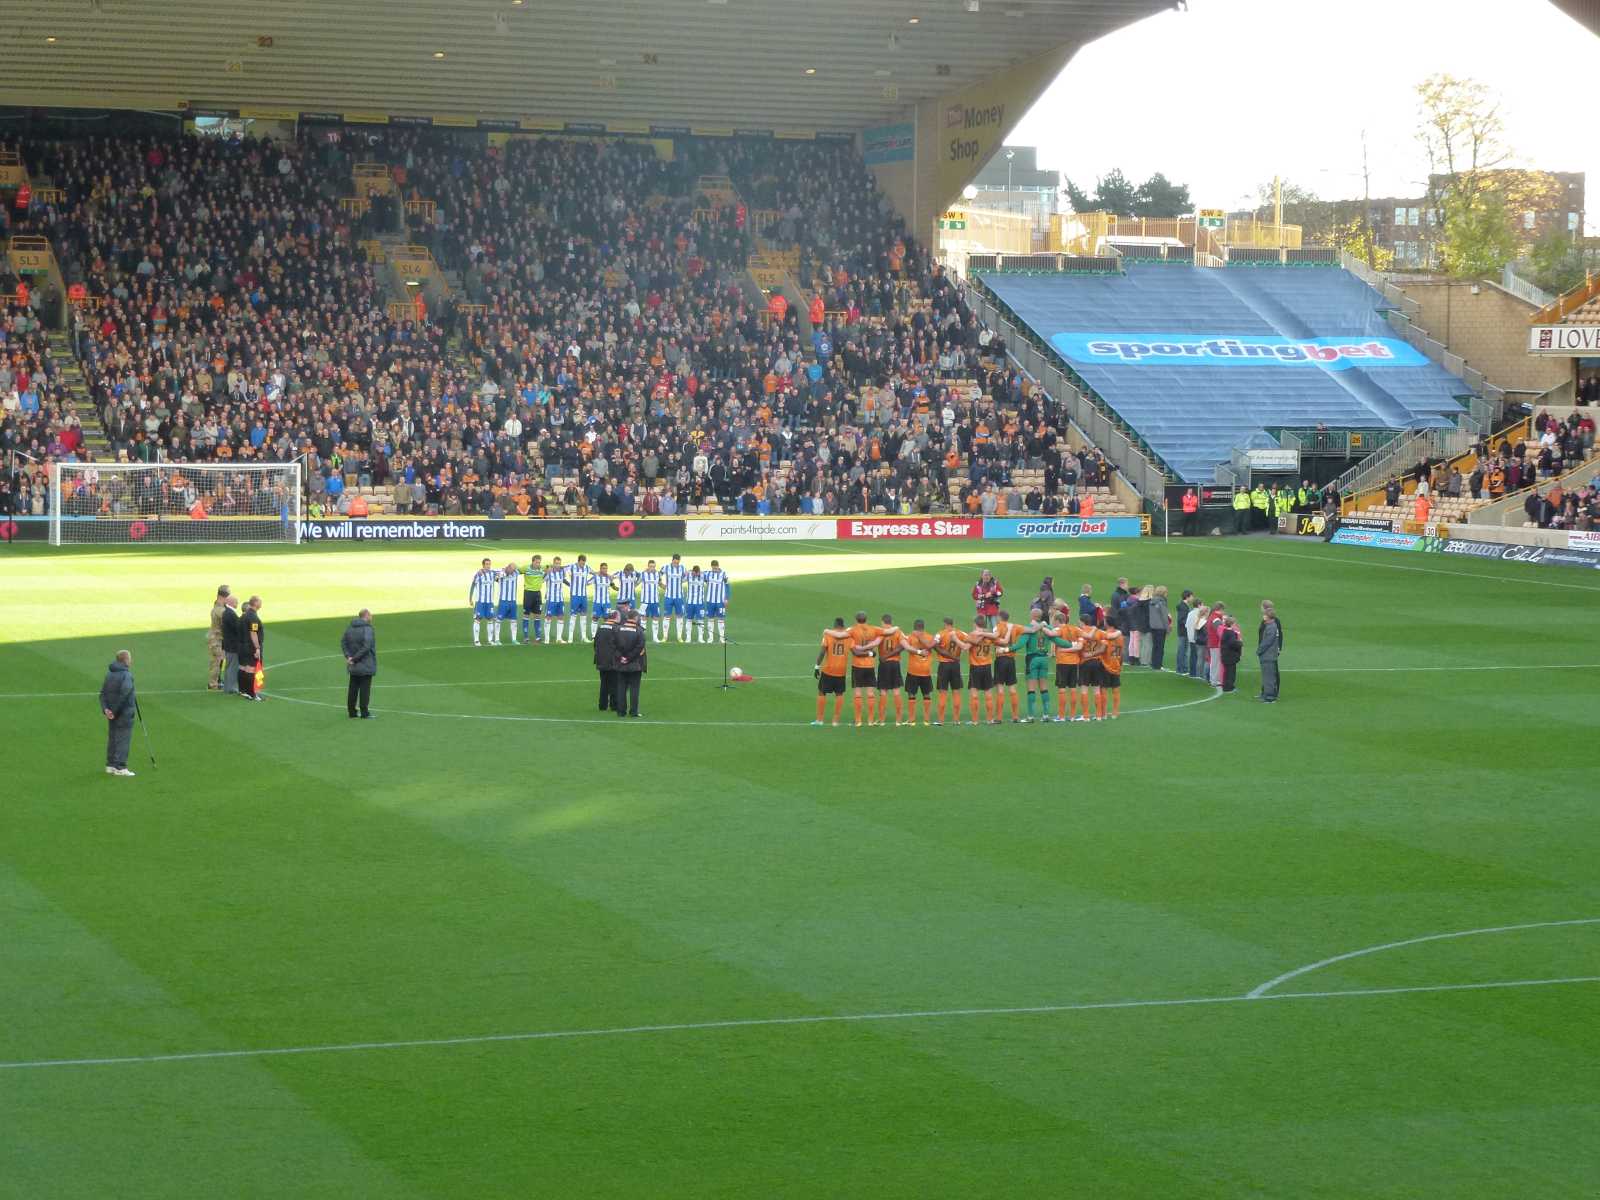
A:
(127, 503)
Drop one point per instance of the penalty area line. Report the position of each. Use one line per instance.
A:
(770, 1022)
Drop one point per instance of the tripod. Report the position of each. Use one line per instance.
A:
(727, 683)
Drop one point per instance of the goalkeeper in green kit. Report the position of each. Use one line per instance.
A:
(1035, 643)
(532, 595)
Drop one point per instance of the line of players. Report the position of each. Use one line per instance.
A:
(1087, 659)
(559, 600)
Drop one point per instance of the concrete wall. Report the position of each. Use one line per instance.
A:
(1489, 330)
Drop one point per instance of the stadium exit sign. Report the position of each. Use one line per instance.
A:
(1211, 218)
(954, 219)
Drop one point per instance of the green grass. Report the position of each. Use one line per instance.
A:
(490, 857)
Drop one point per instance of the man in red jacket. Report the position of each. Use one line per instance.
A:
(1214, 626)
(986, 595)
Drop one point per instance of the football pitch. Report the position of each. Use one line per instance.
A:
(498, 944)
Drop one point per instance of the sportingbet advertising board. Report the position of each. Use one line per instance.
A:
(1059, 528)
(1243, 350)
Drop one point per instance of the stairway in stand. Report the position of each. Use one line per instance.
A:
(78, 398)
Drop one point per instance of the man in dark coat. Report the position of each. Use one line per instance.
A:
(360, 646)
(605, 661)
(1232, 647)
(632, 662)
(231, 630)
(1269, 645)
(118, 703)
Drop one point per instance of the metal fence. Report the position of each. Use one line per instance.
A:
(1523, 290)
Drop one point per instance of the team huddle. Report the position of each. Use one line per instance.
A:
(1086, 656)
(558, 601)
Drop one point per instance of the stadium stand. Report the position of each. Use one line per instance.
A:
(587, 338)
(1191, 414)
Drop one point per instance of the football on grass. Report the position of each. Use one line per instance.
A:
(735, 672)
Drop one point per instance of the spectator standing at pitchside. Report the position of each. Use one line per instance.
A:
(986, 595)
(360, 647)
(1269, 644)
(214, 641)
(118, 703)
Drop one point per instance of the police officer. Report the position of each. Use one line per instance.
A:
(1261, 502)
(1241, 510)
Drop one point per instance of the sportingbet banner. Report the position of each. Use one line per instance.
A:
(1240, 350)
(1376, 539)
(905, 529)
(1059, 528)
(469, 529)
(763, 529)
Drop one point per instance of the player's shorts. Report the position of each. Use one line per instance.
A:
(830, 685)
(1110, 679)
(601, 609)
(949, 677)
(671, 607)
(1089, 675)
(556, 608)
(580, 604)
(889, 678)
(1005, 670)
(1038, 667)
(530, 603)
(483, 612)
(919, 685)
(863, 677)
(981, 678)
(1071, 675)
(652, 610)
(508, 610)
(715, 610)
(693, 612)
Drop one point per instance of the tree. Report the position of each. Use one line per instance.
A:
(1115, 193)
(1557, 263)
(1078, 198)
(1158, 196)
(1354, 236)
(1477, 202)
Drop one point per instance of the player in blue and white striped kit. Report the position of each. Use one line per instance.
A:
(578, 578)
(650, 597)
(506, 614)
(600, 587)
(716, 600)
(627, 586)
(672, 577)
(555, 599)
(694, 604)
(484, 595)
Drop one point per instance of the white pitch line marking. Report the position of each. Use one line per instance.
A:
(796, 724)
(1389, 566)
(1260, 990)
(759, 1022)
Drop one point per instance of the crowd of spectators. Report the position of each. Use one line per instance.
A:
(621, 360)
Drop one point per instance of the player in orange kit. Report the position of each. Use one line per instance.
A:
(919, 672)
(891, 645)
(947, 649)
(831, 659)
(1006, 636)
(864, 641)
(980, 669)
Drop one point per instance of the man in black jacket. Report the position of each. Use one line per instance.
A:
(605, 661)
(632, 661)
(360, 647)
(231, 629)
(118, 704)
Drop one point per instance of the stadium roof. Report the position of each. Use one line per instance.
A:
(717, 62)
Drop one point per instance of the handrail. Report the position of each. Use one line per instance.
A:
(1568, 301)
(1519, 287)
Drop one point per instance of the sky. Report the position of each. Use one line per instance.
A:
(1231, 92)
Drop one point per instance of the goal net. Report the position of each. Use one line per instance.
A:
(124, 503)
